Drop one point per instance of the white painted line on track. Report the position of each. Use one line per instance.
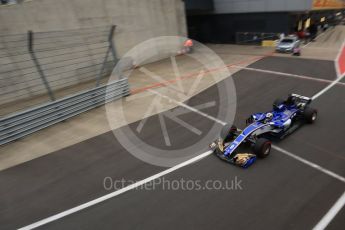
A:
(340, 203)
(337, 80)
(328, 218)
(311, 164)
(338, 206)
(188, 107)
(114, 194)
(165, 172)
(288, 75)
(328, 87)
(331, 213)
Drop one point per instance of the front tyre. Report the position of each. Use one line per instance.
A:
(310, 115)
(262, 147)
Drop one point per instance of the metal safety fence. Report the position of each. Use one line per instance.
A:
(54, 76)
(40, 66)
(24, 123)
(254, 38)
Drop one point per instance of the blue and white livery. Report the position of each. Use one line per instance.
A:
(286, 116)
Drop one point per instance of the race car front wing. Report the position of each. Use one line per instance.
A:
(243, 160)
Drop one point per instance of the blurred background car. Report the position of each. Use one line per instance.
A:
(288, 44)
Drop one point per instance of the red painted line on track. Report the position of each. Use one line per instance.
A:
(341, 62)
(194, 74)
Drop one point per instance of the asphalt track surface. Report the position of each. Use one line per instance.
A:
(277, 193)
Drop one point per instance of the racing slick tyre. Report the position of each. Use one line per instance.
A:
(277, 102)
(228, 132)
(310, 115)
(262, 147)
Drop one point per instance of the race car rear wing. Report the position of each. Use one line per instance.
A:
(302, 99)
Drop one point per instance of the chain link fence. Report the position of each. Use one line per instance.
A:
(37, 67)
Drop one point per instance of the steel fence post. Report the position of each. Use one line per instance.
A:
(37, 64)
(111, 49)
(111, 42)
(102, 68)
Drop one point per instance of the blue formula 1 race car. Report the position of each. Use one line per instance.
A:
(286, 116)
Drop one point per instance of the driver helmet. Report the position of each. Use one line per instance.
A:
(269, 116)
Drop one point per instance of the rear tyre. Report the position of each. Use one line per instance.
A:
(262, 147)
(310, 115)
(278, 102)
(228, 132)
